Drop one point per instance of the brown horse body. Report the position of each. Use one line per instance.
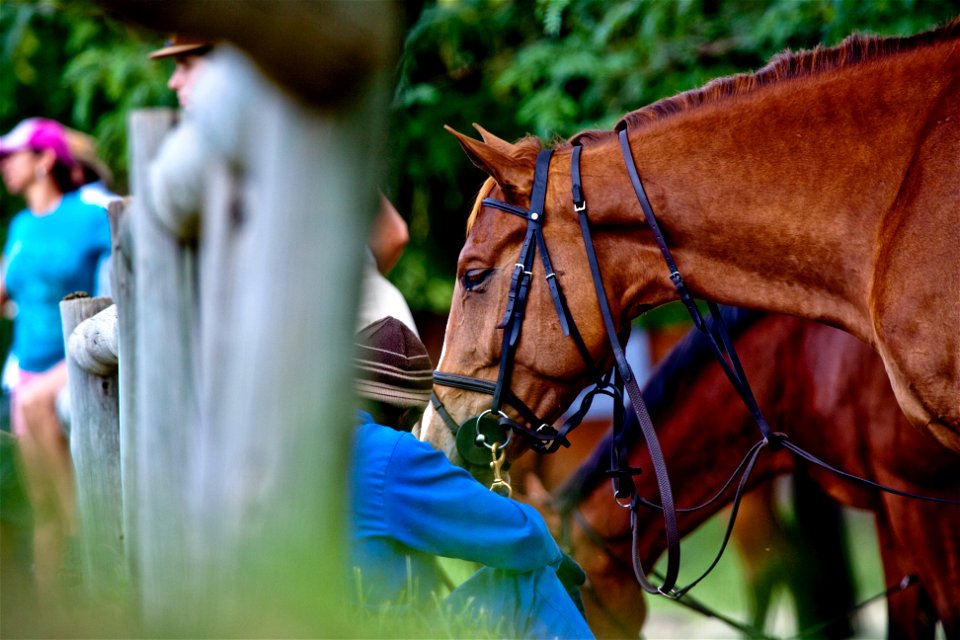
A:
(826, 186)
(828, 392)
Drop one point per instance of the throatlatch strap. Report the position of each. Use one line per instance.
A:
(636, 400)
(723, 348)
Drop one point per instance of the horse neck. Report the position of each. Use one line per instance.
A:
(775, 199)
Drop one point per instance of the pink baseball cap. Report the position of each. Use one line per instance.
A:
(38, 134)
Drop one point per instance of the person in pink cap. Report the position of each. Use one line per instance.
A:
(53, 248)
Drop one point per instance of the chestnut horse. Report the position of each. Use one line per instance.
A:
(826, 185)
(828, 392)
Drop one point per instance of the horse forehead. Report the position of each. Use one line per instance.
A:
(491, 230)
(489, 219)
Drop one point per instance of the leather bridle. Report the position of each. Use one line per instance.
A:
(544, 438)
(494, 433)
(480, 431)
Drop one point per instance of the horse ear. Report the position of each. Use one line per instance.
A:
(492, 140)
(506, 163)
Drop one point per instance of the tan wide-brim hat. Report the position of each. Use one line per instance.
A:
(391, 365)
(83, 148)
(182, 45)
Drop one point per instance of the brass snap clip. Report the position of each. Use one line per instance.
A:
(499, 486)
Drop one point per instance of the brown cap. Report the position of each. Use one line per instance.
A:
(182, 45)
(392, 365)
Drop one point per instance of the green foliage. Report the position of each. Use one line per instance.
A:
(70, 62)
(549, 68)
(555, 67)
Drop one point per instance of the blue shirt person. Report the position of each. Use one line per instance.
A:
(52, 249)
(409, 504)
(46, 257)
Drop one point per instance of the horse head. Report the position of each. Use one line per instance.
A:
(808, 188)
(546, 369)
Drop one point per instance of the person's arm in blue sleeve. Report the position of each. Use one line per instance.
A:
(436, 507)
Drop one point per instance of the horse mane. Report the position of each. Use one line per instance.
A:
(689, 355)
(855, 49)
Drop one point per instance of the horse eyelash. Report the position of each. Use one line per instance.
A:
(474, 279)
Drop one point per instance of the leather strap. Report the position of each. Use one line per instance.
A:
(629, 381)
(719, 338)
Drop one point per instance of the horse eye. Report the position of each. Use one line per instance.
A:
(474, 278)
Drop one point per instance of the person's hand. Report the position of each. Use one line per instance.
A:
(571, 576)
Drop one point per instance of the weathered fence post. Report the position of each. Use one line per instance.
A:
(243, 432)
(282, 250)
(89, 334)
(122, 286)
(166, 390)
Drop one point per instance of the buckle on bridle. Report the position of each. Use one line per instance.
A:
(523, 269)
(545, 427)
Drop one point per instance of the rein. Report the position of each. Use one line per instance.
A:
(688, 601)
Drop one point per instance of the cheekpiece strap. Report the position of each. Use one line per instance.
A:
(575, 182)
(538, 195)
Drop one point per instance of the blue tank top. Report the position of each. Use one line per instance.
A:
(45, 258)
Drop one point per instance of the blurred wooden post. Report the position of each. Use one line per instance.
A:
(166, 388)
(243, 432)
(89, 333)
(122, 285)
(289, 201)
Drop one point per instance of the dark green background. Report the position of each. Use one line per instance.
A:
(547, 67)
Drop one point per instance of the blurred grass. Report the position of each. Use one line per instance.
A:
(410, 617)
(724, 590)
